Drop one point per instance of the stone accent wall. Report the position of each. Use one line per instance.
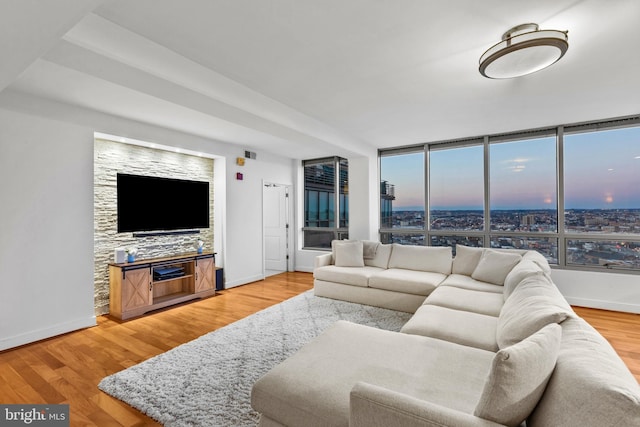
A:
(111, 158)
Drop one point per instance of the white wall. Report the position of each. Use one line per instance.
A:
(363, 198)
(46, 228)
(46, 211)
(244, 245)
(609, 291)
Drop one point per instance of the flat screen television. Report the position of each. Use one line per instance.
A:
(148, 203)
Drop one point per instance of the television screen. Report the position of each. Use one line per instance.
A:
(148, 203)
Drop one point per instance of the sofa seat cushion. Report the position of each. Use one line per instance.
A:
(590, 386)
(312, 387)
(461, 327)
(488, 303)
(466, 282)
(354, 276)
(407, 281)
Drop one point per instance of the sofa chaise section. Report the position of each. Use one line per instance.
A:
(312, 387)
(354, 375)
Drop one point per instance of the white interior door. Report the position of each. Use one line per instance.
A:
(275, 220)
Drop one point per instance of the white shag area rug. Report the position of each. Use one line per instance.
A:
(207, 381)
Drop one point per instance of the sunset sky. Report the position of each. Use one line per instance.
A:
(602, 171)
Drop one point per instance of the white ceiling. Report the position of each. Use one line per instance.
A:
(309, 78)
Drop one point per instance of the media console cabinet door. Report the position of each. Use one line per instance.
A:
(136, 289)
(205, 277)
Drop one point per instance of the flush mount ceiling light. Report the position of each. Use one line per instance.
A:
(523, 50)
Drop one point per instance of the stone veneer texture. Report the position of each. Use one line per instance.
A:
(111, 158)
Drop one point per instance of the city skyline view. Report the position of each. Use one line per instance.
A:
(601, 171)
(522, 229)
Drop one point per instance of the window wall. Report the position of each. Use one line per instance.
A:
(326, 211)
(572, 193)
(402, 197)
(523, 198)
(602, 197)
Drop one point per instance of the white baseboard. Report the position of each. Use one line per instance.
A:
(243, 281)
(41, 334)
(305, 269)
(604, 305)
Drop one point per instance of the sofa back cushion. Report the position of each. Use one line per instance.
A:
(421, 258)
(539, 259)
(590, 385)
(521, 271)
(535, 303)
(466, 260)
(348, 253)
(518, 377)
(381, 257)
(494, 266)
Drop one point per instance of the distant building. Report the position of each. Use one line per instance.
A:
(527, 220)
(387, 196)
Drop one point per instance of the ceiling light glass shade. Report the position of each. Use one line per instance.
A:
(523, 50)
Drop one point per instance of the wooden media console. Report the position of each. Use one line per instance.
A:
(149, 284)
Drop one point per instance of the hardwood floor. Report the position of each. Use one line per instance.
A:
(68, 368)
(622, 330)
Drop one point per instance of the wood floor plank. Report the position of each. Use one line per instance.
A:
(68, 368)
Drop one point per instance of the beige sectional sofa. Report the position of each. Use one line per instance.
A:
(492, 342)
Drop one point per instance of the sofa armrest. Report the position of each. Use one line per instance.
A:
(374, 406)
(322, 260)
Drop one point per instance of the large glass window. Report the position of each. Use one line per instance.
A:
(456, 188)
(416, 239)
(510, 191)
(402, 198)
(547, 246)
(603, 253)
(322, 201)
(452, 241)
(522, 185)
(344, 192)
(602, 181)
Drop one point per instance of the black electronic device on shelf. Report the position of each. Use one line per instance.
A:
(165, 273)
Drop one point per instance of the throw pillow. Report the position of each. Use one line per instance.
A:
(348, 254)
(369, 249)
(524, 269)
(518, 377)
(381, 259)
(494, 266)
(466, 260)
(535, 303)
(539, 259)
